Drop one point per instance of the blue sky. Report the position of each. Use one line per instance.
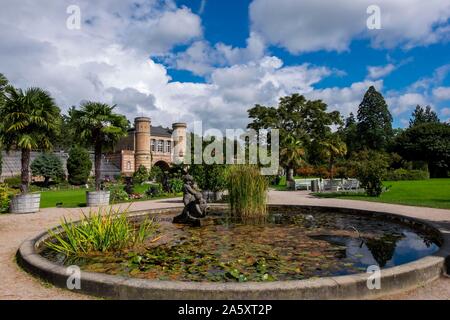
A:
(211, 60)
(228, 22)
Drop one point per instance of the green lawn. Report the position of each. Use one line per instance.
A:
(69, 198)
(77, 197)
(433, 193)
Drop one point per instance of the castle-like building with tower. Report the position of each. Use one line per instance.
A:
(145, 145)
(148, 146)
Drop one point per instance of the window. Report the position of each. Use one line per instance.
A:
(168, 146)
(160, 146)
(152, 145)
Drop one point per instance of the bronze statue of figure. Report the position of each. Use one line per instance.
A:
(194, 204)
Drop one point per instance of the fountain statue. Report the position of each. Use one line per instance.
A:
(195, 206)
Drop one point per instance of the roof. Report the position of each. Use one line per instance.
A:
(160, 131)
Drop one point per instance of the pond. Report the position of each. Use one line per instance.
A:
(288, 246)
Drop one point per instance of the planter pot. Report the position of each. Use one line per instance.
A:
(25, 203)
(97, 198)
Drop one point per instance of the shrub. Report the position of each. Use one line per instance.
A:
(371, 167)
(247, 190)
(79, 166)
(154, 190)
(306, 171)
(106, 230)
(210, 177)
(321, 172)
(141, 174)
(156, 174)
(13, 182)
(6, 193)
(48, 166)
(404, 174)
(118, 195)
(176, 185)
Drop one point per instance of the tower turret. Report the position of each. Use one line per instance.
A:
(142, 154)
(179, 141)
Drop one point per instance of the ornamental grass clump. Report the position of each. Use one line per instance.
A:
(106, 230)
(247, 191)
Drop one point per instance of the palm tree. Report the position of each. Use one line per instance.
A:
(99, 127)
(333, 147)
(292, 155)
(30, 120)
(3, 82)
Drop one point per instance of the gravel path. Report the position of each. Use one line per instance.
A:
(14, 229)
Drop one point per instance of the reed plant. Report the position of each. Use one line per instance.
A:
(247, 191)
(105, 230)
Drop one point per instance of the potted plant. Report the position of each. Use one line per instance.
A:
(98, 127)
(30, 121)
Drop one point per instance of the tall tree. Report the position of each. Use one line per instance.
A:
(292, 155)
(421, 115)
(429, 142)
(333, 147)
(306, 120)
(99, 127)
(3, 84)
(29, 121)
(349, 134)
(374, 121)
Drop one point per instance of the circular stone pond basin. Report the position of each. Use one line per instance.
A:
(292, 244)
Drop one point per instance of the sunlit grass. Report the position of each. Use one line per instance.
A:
(433, 193)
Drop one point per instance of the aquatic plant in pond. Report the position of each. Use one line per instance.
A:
(247, 190)
(106, 230)
(289, 246)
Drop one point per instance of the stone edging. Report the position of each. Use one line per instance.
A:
(393, 280)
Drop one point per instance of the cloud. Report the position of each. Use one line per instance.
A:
(376, 72)
(406, 102)
(345, 99)
(442, 93)
(202, 7)
(108, 60)
(311, 25)
(201, 58)
(223, 101)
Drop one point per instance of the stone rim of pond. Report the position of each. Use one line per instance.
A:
(393, 280)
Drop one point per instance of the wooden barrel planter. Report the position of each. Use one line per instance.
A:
(25, 203)
(97, 198)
